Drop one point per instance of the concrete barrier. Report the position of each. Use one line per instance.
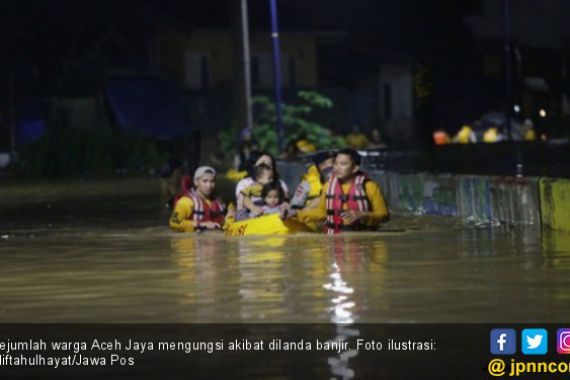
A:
(474, 199)
(555, 203)
(418, 194)
(439, 195)
(515, 200)
(388, 187)
(407, 191)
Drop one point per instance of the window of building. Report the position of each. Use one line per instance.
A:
(262, 70)
(197, 71)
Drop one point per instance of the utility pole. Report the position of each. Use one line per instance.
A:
(246, 63)
(277, 75)
(11, 111)
(11, 102)
(242, 72)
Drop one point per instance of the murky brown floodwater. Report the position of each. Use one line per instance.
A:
(100, 252)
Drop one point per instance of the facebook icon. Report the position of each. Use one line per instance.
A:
(503, 341)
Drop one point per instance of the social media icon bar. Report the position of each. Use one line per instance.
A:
(534, 341)
(563, 341)
(504, 341)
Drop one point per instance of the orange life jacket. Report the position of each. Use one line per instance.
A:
(356, 199)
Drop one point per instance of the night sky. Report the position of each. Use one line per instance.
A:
(32, 28)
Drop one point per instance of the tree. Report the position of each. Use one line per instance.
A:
(296, 122)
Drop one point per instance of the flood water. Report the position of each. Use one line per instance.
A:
(100, 251)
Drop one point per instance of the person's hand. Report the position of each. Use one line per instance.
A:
(284, 210)
(256, 210)
(231, 211)
(209, 225)
(288, 214)
(352, 216)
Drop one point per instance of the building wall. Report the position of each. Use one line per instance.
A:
(396, 102)
(204, 58)
(398, 79)
(297, 46)
(169, 55)
(216, 46)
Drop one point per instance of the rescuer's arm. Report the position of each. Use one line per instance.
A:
(314, 214)
(378, 210)
(300, 197)
(248, 204)
(181, 218)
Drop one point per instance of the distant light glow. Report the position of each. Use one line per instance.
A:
(542, 112)
(517, 108)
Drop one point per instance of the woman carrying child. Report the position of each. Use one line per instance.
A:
(257, 158)
(271, 201)
(250, 200)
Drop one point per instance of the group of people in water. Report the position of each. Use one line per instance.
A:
(334, 191)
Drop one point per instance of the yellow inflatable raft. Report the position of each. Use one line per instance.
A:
(265, 225)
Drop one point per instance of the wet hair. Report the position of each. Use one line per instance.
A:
(354, 155)
(267, 188)
(254, 155)
(260, 169)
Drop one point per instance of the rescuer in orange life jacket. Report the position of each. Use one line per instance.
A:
(351, 201)
(199, 208)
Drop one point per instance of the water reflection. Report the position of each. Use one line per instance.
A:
(207, 277)
(346, 254)
(557, 245)
(110, 258)
(556, 248)
(267, 287)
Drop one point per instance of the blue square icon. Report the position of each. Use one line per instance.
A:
(534, 341)
(503, 341)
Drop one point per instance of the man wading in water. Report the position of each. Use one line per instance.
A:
(198, 208)
(351, 201)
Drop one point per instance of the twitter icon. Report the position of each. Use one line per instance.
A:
(534, 341)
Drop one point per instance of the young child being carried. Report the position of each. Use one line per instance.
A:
(250, 199)
(273, 197)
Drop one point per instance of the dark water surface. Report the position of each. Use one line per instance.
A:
(100, 251)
